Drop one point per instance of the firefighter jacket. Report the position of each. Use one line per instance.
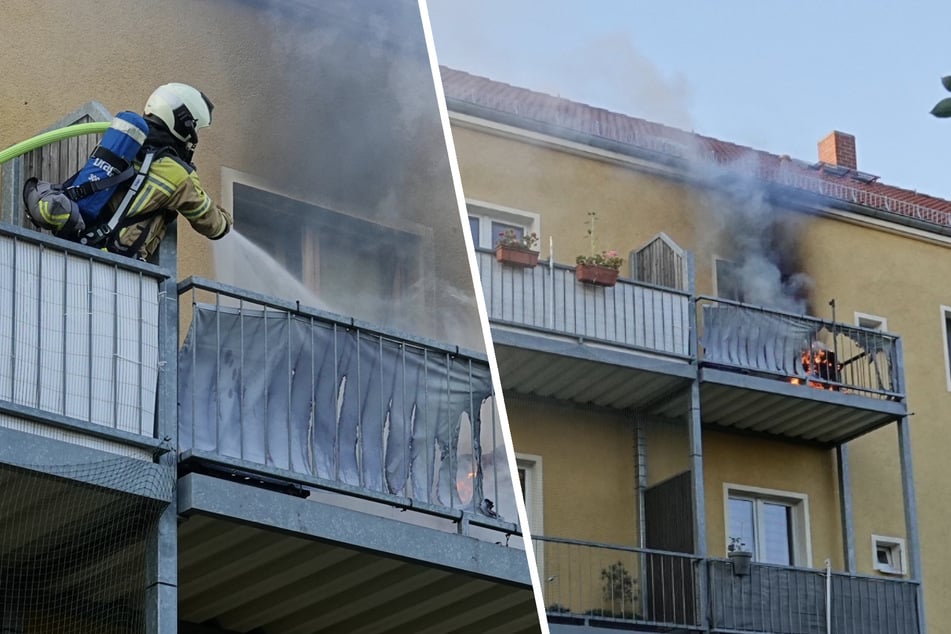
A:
(171, 187)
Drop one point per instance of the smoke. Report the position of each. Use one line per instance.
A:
(338, 111)
(740, 223)
(626, 81)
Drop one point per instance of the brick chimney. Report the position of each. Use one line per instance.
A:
(838, 149)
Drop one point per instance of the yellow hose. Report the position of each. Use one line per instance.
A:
(97, 127)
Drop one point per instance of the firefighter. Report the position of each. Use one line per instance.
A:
(174, 113)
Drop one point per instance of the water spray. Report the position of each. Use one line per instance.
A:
(38, 141)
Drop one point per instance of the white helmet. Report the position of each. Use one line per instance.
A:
(183, 109)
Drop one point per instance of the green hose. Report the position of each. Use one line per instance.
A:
(52, 136)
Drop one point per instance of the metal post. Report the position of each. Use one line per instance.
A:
(908, 494)
(911, 515)
(695, 433)
(161, 596)
(641, 454)
(845, 507)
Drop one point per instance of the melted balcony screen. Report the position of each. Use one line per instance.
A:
(769, 342)
(319, 397)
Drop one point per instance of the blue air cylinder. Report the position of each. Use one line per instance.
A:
(114, 155)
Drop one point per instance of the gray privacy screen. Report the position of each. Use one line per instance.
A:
(320, 398)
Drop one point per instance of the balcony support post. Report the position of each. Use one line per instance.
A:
(161, 595)
(911, 516)
(695, 433)
(640, 442)
(845, 506)
(908, 493)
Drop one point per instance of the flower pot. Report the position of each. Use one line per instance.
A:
(516, 256)
(741, 560)
(595, 274)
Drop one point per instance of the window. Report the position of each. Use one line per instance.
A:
(530, 480)
(946, 332)
(326, 258)
(888, 555)
(728, 280)
(872, 322)
(487, 221)
(772, 524)
(879, 358)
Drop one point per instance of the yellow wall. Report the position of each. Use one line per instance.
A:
(589, 476)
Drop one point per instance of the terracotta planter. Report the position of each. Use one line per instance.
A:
(594, 274)
(741, 559)
(516, 256)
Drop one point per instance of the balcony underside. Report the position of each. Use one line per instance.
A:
(778, 408)
(73, 540)
(585, 373)
(299, 565)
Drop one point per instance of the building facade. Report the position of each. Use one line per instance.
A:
(743, 393)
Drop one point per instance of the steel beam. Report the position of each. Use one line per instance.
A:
(845, 506)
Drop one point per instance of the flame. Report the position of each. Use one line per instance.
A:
(464, 486)
(818, 363)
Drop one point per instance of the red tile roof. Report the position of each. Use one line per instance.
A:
(612, 126)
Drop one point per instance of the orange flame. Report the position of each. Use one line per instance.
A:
(817, 363)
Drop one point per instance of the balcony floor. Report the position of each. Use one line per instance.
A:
(777, 408)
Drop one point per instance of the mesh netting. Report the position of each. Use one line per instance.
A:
(72, 550)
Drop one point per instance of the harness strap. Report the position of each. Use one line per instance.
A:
(106, 229)
(125, 172)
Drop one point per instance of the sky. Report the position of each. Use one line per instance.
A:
(773, 75)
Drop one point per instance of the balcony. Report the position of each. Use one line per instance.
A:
(305, 446)
(592, 587)
(555, 336)
(84, 457)
(378, 453)
(822, 382)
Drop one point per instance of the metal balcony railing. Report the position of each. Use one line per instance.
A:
(586, 581)
(79, 337)
(800, 349)
(603, 582)
(784, 600)
(278, 389)
(548, 298)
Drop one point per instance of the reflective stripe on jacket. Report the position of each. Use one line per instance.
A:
(172, 186)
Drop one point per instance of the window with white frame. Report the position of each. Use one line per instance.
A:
(774, 525)
(888, 555)
(728, 280)
(530, 480)
(946, 333)
(872, 322)
(487, 221)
